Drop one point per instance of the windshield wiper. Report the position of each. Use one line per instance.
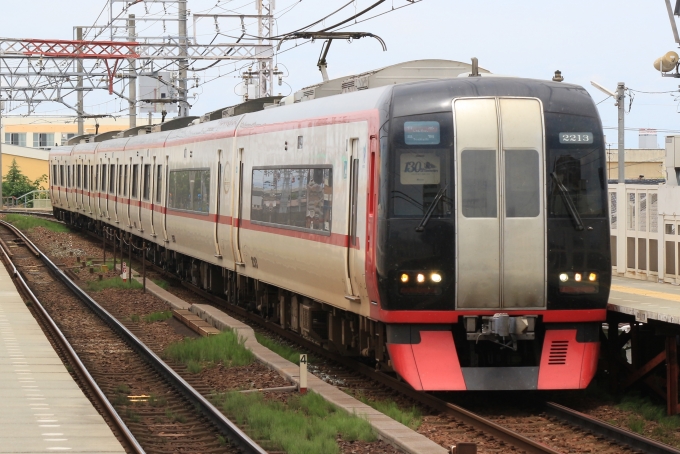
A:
(569, 203)
(430, 210)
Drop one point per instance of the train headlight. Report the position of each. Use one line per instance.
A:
(436, 277)
(578, 277)
(564, 277)
(592, 277)
(420, 278)
(404, 278)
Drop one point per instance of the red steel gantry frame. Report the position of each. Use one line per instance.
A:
(74, 49)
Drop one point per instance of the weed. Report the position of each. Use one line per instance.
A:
(280, 349)
(123, 389)
(28, 222)
(157, 401)
(307, 424)
(134, 318)
(410, 417)
(29, 303)
(161, 283)
(131, 415)
(194, 367)
(158, 316)
(114, 282)
(69, 368)
(76, 270)
(225, 347)
(175, 417)
(636, 424)
(221, 440)
(120, 400)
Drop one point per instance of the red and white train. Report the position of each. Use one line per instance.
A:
(454, 230)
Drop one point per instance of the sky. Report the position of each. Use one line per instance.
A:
(606, 41)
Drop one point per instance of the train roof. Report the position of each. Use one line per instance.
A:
(436, 96)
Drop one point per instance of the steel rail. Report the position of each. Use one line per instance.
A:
(478, 422)
(238, 437)
(596, 426)
(73, 358)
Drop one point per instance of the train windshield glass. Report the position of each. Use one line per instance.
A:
(421, 165)
(575, 167)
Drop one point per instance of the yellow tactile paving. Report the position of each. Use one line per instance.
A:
(647, 293)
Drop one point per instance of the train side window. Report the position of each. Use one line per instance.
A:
(86, 175)
(102, 188)
(135, 179)
(147, 182)
(120, 179)
(79, 175)
(112, 179)
(189, 190)
(522, 185)
(478, 183)
(159, 181)
(298, 198)
(68, 176)
(96, 177)
(55, 178)
(125, 180)
(61, 175)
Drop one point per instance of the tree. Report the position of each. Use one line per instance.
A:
(16, 184)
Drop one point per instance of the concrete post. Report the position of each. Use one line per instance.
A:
(132, 87)
(81, 106)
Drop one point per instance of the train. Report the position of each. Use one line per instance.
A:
(454, 232)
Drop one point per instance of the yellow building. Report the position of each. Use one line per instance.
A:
(32, 162)
(44, 132)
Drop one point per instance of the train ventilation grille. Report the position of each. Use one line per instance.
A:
(558, 353)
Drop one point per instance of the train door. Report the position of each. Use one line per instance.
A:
(237, 208)
(500, 203)
(218, 198)
(146, 211)
(157, 181)
(353, 253)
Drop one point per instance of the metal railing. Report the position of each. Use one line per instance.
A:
(38, 199)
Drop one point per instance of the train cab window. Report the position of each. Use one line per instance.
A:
(189, 190)
(575, 169)
(61, 175)
(125, 180)
(135, 179)
(159, 181)
(103, 185)
(478, 183)
(112, 178)
(298, 198)
(420, 166)
(146, 193)
(86, 175)
(522, 184)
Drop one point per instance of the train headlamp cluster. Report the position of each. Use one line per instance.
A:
(576, 282)
(420, 282)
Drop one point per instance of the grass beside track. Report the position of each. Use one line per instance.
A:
(305, 424)
(282, 350)
(158, 316)
(28, 222)
(411, 417)
(114, 282)
(646, 411)
(225, 347)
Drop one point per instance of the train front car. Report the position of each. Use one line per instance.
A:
(493, 253)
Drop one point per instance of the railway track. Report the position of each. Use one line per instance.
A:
(567, 429)
(150, 406)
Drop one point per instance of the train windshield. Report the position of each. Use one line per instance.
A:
(420, 172)
(575, 166)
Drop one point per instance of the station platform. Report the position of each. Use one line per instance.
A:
(42, 410)
(645, 300)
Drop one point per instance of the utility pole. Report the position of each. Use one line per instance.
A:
(183, 62)
(132, 74)
(264, 31)
(621, 195)
(81, 97)
(620, 102)
(2, 138)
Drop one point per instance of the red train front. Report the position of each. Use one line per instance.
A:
(492, 263)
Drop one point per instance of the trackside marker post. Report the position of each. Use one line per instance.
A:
(124, 273)
(303, 374)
